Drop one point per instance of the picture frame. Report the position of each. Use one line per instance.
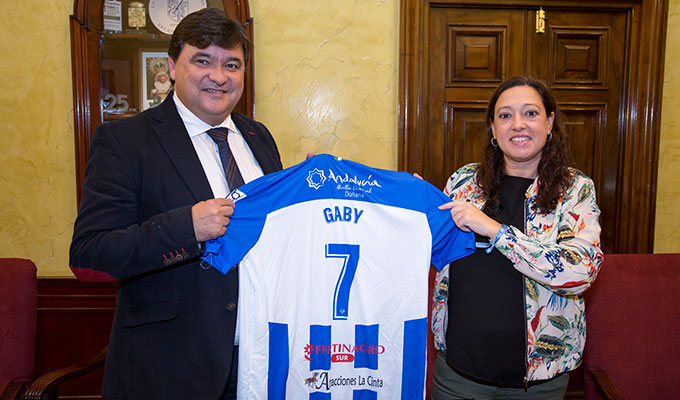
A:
(155, 79)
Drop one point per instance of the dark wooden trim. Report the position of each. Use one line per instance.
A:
(74, 322)
(55, 294)
(85, 68)
(605, 386)
(81, 97)
(409, 82)
(47, 386)
(637, 201)
(240, 11)
(13, 391)
(641, 109)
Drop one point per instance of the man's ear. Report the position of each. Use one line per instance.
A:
(171, 69)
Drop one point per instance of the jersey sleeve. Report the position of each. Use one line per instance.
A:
(449, 243)
(252, 203)
(251, 206)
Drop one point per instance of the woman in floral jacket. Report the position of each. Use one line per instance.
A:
(509, 319)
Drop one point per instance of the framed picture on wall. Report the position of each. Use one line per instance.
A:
(155, 78)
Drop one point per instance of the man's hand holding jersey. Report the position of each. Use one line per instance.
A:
(211, 218)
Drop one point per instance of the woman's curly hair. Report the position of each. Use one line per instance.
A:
(554, 177)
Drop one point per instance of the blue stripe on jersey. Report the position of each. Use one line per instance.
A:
(278, 361)
(366, 338)
(320, 338)
(319, 396)
(415, 354)
(364, 394)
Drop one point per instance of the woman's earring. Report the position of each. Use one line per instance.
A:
(494, 142)
(549, 137)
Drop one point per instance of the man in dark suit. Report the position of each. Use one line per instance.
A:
(154, 191)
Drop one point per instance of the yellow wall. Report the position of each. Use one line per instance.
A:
(326, 81)
(326, 77)
(667, 227)
(37, 161)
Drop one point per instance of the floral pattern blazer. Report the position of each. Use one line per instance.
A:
(559, 256)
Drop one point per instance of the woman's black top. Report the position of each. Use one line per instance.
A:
(486, 338)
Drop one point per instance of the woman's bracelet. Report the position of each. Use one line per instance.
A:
(500, 234)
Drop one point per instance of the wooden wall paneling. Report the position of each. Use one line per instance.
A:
(82, 99)
(433, 159)
(584, 122)
(637, 200)
(412, 75)
(74, 322)
(462, 140)
(579, 56)
(475, 53)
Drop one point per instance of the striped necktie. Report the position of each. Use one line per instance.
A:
(231, 171)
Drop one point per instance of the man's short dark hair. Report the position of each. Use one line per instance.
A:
(206, 27)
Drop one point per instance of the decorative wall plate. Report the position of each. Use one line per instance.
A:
(166, 14)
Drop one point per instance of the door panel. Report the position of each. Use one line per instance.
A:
(581, 57)
(472, 50)
(583, 122)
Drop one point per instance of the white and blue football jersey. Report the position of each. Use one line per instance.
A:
(333, 275)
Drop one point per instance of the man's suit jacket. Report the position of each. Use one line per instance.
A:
(173, 330)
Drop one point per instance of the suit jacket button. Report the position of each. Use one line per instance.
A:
(231, 306)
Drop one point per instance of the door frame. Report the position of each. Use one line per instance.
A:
(641, 103)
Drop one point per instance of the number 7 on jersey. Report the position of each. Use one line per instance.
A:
(350, 255)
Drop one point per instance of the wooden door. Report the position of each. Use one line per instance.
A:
(588, 55)
(471, 51)
(582, 57)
